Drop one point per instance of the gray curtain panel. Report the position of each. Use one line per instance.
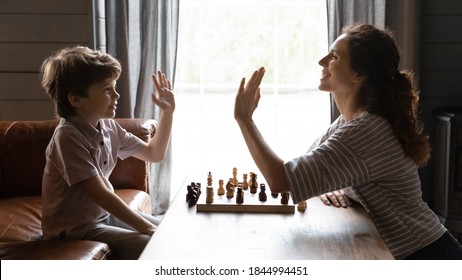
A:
(402, 17)
(143, 35)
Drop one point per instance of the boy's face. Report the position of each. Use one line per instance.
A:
(100, 103)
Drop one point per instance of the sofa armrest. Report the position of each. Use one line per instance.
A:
(54, 249)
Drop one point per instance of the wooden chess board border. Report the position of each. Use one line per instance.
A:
(251, 205)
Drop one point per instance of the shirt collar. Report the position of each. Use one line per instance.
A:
(90, 132)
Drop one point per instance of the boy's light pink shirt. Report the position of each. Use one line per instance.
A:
(76, 152)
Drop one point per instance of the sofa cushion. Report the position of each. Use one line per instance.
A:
(20, 218)
(23, 157)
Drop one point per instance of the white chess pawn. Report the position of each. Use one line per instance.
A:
(245, 184)
(235, 181)
(221, 189)
(301, 206)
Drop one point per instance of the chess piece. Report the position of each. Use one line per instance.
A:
(229, 189)
(301, 206)
(285, 198)
(209, 179)
(245, 184)
(194, 191)
(188, 195)
(191, 191)
(250, 179)
(209, 197)
(235, 181)
(262, 194)
(239, 195)
(221, 189)
(253, 186)
(274, 194)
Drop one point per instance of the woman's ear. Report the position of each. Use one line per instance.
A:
(74, 100)
(358, 79)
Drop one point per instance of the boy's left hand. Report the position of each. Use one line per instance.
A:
(165, 98)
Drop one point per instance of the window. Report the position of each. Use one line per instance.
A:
(222, 41)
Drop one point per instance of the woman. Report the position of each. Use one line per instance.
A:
(372, 151)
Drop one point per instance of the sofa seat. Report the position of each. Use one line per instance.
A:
(21, 233)
(20, 218)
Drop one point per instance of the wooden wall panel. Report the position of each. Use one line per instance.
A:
(441, 7)
(27, 28)
(441, 84)
(17, 57)
(441, 66)
(26, 110)
(21, 86)
(44, 6)
(442, 57)
(440, 29)
(31, 30)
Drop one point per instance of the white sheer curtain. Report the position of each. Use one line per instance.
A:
(142, 34)
(402, 17)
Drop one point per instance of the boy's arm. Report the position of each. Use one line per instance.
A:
(108, 200)
(156, 149)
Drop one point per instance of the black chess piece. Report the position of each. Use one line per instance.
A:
(239, 195)
(190, 192)
(262, 194)
(253, 187)
(285, 198)
(194, 191)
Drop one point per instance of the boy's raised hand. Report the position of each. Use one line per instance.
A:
(165, 98)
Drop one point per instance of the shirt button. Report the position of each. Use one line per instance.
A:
(101, 143)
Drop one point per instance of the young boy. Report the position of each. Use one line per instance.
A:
(78, 200)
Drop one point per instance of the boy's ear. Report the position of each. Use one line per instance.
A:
(74, 100)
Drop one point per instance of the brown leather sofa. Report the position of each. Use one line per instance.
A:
(22, 160)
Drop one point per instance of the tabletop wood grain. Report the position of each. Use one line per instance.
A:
(321, 232)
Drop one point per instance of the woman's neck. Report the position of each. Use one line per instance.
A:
(348, 107)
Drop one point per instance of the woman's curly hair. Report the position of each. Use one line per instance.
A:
(387, 91)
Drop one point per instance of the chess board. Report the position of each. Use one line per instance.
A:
(251, 204)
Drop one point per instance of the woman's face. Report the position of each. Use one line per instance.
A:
(337, 75)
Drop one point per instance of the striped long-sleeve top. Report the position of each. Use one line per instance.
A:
(365, 156)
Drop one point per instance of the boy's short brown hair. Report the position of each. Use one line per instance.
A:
(74, 70)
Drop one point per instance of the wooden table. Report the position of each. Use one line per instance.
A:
(321, 232)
